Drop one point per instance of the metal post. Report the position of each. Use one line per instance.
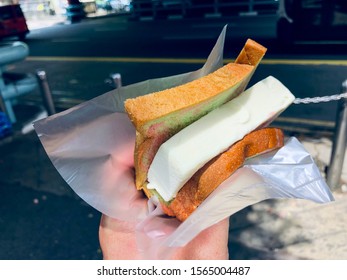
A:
(116, 79)
(339, 143)
(2, 105)
(251, 6)
(46, 92)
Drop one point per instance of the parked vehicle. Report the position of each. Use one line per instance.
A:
(12, 22)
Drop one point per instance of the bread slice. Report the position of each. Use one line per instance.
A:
(218, 169)
(158, 116)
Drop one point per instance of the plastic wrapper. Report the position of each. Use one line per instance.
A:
(92, 145)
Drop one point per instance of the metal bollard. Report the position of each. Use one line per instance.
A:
(339, 143)
(116, 79)
(2, 105)
(46, 92)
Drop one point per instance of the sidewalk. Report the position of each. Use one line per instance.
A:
(296, 229)
(43, 20)
(38, 199)
(41, 217)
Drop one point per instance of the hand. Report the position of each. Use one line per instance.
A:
(118, 241)
(118, 238)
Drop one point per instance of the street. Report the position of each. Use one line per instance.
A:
(123, 37)
(42, 218)
(79, 57)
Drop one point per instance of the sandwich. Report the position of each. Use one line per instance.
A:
(192, 137)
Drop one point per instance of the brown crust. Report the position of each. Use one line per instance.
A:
(160, 115)
(158, 104)
(209, 177)
(251, 53)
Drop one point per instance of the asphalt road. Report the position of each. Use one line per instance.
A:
(79, 57)
(121, 37)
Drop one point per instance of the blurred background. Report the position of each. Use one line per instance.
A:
(57, 54)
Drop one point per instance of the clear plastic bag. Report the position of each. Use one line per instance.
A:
(92, 145)
(89, 143)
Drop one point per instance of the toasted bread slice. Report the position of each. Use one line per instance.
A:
(218, 169)
(158, 116)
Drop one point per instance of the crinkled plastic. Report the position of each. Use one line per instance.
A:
(289, 172)
(92, 146)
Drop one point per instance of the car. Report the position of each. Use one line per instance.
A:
(12, 22)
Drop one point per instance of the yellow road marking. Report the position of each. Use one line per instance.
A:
(118, 59)
(182, 60)
(305, 62)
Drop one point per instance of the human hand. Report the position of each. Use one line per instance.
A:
(118, 241)
(118, 238)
